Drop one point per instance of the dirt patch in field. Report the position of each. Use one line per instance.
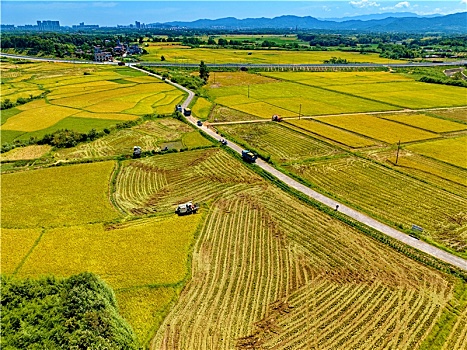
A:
(28, 152)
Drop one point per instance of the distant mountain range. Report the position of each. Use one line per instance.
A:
(455, 23)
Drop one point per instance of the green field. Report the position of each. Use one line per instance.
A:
(181, 54)
(394, 89)
(79, 98)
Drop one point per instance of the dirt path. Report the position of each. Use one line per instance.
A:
(365, 219)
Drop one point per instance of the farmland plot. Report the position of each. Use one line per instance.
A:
(332, 133)
(101, 96)
(377, 128)
(52, 197)
(391, 196)
(451, 151)
(426, 122)
(281, 143)
(288, 98)
(150, 135)
(159, 183)
(292, 278)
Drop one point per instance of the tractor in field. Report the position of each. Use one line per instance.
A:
(136, 152)
(187, 208)
(248, 156)
(276, 118)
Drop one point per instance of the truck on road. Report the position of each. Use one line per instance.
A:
(249, 156)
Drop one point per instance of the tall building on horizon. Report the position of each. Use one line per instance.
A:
(48, 25)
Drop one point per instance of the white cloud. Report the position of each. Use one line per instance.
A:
(364, 3)
(405, 4)
(463, 1)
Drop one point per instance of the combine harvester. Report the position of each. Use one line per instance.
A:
(187, 208)
(276, 118)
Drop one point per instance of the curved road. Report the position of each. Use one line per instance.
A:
(354, 214)
(365, 219)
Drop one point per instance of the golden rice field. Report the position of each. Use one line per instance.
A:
(104, 93)
(202, 108)
(195, 55)
(289, 99)
(426, 122)
(62, 196)
(450, 150)
(377, 128)
(152, 135)
(274, 277)
(139, 253)
(332, 133)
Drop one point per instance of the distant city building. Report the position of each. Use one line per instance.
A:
(85, 26)
(48, 26)
(7, 27)
(137, 25)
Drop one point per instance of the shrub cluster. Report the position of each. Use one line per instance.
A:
(75, 313)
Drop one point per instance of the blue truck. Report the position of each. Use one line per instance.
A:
(249, 156)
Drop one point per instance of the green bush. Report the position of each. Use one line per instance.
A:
(49, 313)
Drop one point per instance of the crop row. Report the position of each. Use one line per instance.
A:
(383, 193)
(281, 143)
(164, 181)
(268, 274)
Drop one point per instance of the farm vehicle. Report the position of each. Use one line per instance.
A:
(187, 208)
(248, 156)
(276, 118)
(187, 112)
(136, 152)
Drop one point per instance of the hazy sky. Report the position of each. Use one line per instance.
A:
(111, 13)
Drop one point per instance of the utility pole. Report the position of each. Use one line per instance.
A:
(398, 147)
(300, 112)
(248, 91)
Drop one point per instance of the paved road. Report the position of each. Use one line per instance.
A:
(420, 245)
(424, 247)
(365, 219)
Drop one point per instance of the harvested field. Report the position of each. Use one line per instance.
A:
(457, 114)
(158, 184)
(28, 152)
(149, 135)
(390, 196)
(282, 144)
(291, 278)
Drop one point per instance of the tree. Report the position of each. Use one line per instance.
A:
(162, 58)
(203, 72)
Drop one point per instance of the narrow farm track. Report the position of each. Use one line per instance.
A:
(354, 214)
